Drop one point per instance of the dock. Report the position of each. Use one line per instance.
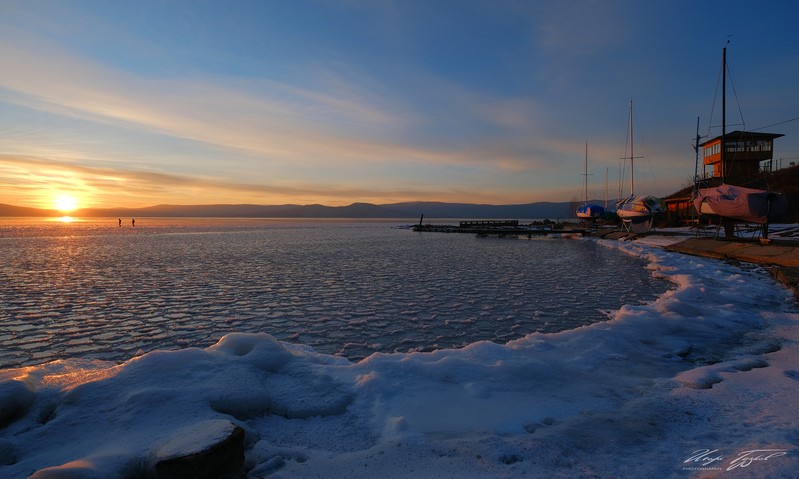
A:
(502, 228)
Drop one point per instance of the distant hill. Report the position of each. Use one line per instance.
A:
(20, 211)
(542, 210)
(356, 210)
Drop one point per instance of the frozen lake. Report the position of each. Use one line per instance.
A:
(701, 380)
(90, 289)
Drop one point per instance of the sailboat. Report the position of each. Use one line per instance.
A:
(589, 211)
(636, 209)
(735, 203)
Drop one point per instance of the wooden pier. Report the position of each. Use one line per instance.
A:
(502, 228)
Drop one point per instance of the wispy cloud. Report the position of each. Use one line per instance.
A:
(250, 114)
(349, 120)
(581, 28)
(36, 181)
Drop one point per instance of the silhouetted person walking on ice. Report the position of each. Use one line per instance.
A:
(133, 222)
(120, 222)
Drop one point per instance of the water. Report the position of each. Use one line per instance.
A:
(93, 290)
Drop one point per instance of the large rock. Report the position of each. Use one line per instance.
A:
(207, 450)
(15, 400)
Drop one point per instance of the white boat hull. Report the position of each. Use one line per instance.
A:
(633, 214)
(638, 208)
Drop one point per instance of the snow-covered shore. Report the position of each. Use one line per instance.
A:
(700, 383)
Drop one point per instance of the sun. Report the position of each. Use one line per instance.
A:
(65, 203)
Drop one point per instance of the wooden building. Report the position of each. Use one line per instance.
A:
(745, 151)
(679, 208)
(747, 155)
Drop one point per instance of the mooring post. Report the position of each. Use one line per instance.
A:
(420, 220)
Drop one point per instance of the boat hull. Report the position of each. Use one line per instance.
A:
(638, 208)
(744, 204)
(590, 212)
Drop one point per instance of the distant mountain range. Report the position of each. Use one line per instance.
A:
(541, 210)
(784, 180)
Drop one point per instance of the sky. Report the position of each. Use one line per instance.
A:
(135, 104)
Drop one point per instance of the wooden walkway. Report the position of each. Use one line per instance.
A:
(749, 251)
(496, 229)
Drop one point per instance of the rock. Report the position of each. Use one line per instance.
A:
(207, 450)
(8, 453)
(789, 276)
(15, 400)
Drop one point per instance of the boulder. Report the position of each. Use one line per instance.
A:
(207, 450)
(15, 400)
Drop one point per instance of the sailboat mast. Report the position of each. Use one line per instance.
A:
(696, 159)
(586, 173)
(724, 115)
(632, 170)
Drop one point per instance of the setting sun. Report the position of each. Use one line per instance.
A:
(65, 203)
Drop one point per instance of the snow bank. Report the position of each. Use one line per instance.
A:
(688, 384)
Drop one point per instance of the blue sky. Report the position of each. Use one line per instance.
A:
(333, 102)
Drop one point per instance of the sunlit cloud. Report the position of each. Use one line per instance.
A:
(37, 182)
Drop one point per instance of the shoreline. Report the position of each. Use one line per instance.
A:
(779, 257)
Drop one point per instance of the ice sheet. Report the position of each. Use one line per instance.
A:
(683, 387)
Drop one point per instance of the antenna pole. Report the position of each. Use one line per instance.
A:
(697, 179)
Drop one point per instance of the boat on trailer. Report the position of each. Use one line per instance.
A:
(638, 210)
(588, 211)
(733, 203)
(745, 204)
